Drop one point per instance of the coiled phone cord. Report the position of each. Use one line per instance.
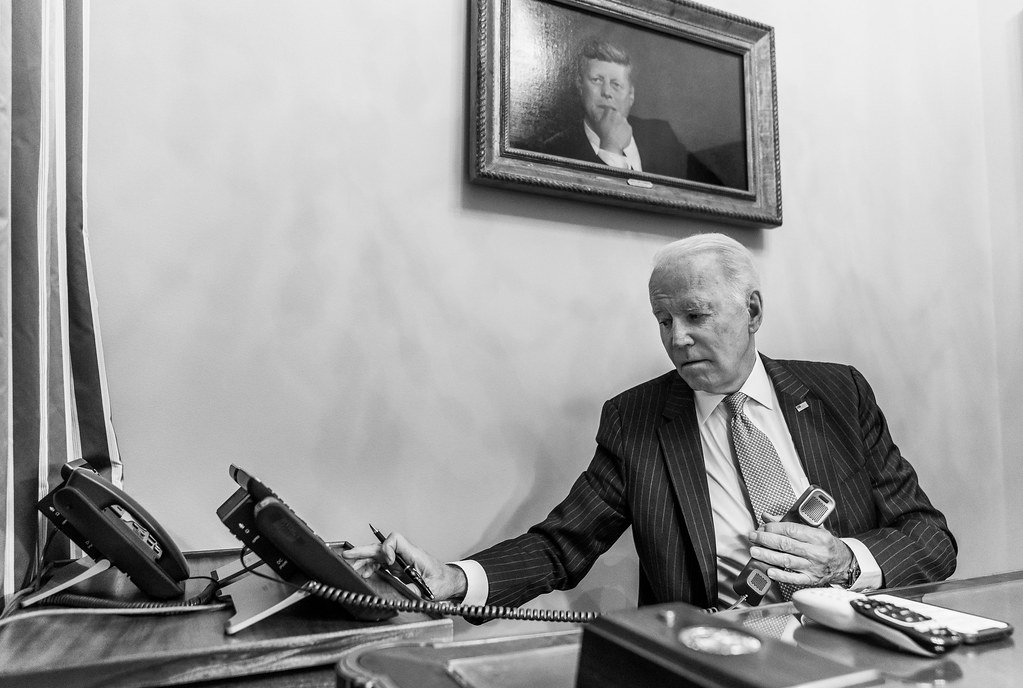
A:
(364, 601)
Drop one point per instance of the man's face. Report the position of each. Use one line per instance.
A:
(605, 85)
(708, 335)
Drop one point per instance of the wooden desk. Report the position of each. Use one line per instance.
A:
(128, 651)
(549, 660)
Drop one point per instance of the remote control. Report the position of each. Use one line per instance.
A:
(973, 628)
(882, 620)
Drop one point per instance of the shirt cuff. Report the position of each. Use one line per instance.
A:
(871, 577)
(477, 587)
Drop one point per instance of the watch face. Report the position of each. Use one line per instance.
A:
(718, 641)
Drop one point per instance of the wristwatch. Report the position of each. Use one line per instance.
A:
(852, 574)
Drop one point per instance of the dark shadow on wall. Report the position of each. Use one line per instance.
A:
(590, 216)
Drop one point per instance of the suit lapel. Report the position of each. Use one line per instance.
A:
(683, 455)
(806, 416)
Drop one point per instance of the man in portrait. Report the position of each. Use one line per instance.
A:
(609, 134)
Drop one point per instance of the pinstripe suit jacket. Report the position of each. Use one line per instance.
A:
(648, 472)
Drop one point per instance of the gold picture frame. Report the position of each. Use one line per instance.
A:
(703, 112)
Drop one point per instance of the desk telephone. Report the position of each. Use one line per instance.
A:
(285, 543)
(108, 524)
(264, 524)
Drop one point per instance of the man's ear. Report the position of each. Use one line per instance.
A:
(755, 307)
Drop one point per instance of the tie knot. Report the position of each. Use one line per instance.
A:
(735, 402)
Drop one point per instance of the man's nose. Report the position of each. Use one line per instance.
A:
(680, 335)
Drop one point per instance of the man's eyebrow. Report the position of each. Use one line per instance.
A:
(681, 306)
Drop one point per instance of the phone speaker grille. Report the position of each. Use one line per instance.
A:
(814, 511)
(759, 582)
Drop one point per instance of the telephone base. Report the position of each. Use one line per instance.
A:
(256, 598)
(72, 574)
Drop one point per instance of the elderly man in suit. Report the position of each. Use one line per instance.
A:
(668, 464)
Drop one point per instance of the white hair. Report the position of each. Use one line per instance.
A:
(735, 260)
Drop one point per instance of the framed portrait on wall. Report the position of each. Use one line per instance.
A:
(662, 105)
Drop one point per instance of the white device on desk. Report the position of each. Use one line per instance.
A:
(893, 625)
(915, 627)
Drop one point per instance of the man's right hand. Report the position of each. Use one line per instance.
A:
(445, 580)
(614, 131)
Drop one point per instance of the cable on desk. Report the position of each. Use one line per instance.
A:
(364, 601)
(71, 604)
(83, 611)
(74, 600)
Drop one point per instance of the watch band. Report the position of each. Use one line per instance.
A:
(852, 574)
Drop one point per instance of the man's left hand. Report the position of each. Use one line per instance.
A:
(614, 131)
(800, 554)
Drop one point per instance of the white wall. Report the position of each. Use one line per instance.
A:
(1001, 23)
(294, 275)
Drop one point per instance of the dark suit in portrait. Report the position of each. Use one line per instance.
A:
(648, 472)
(659, 149)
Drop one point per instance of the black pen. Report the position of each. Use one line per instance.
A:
(408, 568)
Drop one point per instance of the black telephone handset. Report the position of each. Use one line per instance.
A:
(108, 524)
(812, 508)
(268, 526)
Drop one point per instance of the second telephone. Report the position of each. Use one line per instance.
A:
(812, 508)
(108, 524)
